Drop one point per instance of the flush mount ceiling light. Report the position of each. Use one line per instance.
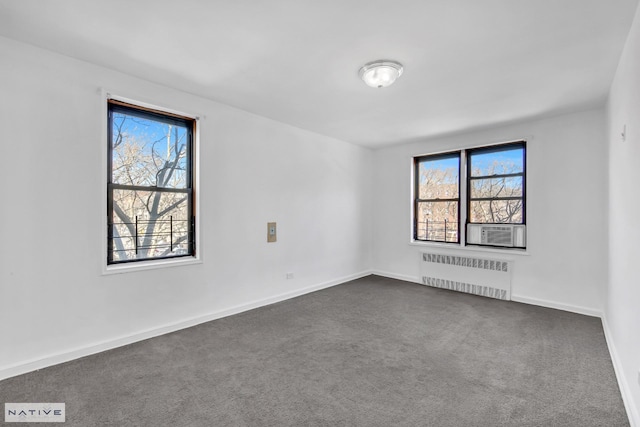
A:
(381, 73)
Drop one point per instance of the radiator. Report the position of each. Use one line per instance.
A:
(472, 275)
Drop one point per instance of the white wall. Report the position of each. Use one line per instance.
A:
(253, 170)
(622, 312)
(566, 211)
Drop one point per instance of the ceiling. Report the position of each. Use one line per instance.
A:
(468, 63)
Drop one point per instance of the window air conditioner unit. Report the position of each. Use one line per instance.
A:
(506, 235)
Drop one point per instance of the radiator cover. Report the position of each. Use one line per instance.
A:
(473, 275)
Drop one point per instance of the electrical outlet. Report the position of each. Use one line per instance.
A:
(289, 276)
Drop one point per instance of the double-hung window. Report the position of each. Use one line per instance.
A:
(437, 201)
(492, 179)
(496, 184)
(150, 194)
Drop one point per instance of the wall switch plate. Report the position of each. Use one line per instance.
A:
(271, 232)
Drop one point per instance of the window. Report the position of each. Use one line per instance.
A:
(495, 183)
(437, 202)
(494, 187)
(150, 198)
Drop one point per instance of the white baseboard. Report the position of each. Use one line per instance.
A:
(632, 410)
(76, 353)
(594, 312)
(396, 276)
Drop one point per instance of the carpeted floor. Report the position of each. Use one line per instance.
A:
(372, 352)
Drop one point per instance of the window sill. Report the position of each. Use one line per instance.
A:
(460, 247)
(148, 265)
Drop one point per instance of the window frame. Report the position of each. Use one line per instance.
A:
(464, 192)
(416, 200)
(496, 149)
(191, 123)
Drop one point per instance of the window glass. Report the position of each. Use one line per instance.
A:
(148, 152)
(498, 162)
(439, 179)
(496, 185)
(496, 211)
(150, 194)
(438, 221)
(438, 197)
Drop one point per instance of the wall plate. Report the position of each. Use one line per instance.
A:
(271, 232)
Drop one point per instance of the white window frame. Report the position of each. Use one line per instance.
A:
(152, 264)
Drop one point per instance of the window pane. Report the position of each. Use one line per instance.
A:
(148, 152)
(162, 227)
(437, 221)
(497, 162)
(496, 211)
(438, 179)
(496, 187)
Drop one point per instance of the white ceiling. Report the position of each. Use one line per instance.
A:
(468, 63)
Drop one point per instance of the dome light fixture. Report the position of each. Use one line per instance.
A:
(380, 73)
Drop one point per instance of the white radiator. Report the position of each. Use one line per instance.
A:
(472, 275)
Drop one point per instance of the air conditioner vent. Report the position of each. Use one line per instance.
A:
(502, 236)
(505, 235)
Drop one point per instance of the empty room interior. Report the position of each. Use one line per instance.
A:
(336, 213)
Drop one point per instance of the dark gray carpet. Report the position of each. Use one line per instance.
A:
(372, 352)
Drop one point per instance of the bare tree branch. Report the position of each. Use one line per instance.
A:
(125, 219)
(175, 242)
(171, 207)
